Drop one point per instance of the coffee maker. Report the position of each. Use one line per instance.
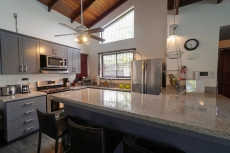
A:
(25, 85)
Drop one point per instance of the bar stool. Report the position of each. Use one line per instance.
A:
(130, 147)
(95, 140)
(48, 125)
(156, 146)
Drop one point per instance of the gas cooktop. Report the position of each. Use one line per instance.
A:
(56, 90)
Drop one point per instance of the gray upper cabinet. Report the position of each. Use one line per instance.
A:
(70, 60)
(31, 57)
(60, 51)
(19, 54)
(51, 49)
(77, 60)
(74, 61)
(11, 53)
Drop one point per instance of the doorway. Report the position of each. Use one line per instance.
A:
(224, 72)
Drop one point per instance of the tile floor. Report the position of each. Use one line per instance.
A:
(30, 143)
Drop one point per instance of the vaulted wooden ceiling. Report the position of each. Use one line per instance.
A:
(96, 10)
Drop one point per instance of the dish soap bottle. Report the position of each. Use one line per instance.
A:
(98, 81)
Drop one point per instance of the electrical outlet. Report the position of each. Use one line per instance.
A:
(15, 15)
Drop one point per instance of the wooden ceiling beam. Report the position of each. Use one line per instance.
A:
(219, 1)
(114, 7)
(177, 6)
(86, 5)
(51, 6)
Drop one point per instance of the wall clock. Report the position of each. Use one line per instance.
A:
(191, 44)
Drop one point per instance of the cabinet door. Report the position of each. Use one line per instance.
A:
(77, 61)
(47, 48)
(31, 56)
(60, 51)
(70, 60)
(11, 53)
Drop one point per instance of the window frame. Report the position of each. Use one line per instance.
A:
(113, 21)
(101, 64)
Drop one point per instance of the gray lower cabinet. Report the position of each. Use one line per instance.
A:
(51, 49)
(20, 116)
(19, 55)
(74, 60)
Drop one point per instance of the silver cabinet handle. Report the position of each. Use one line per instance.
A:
(55, 51)
(29, 120)
(29, 112)
(28, 103)
(25, 68)
(21, 68)
(30, 128)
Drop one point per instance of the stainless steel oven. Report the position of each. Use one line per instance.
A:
(52, 62)
(54, 106)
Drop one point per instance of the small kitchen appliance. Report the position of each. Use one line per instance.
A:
(8, 90)
(25, 85)
(87, 81)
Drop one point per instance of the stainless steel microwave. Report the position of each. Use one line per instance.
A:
(52, 62)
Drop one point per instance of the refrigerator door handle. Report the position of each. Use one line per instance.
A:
(145, 82)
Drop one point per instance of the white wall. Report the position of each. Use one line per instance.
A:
(34, 20)
(150, 32)
(202, 21)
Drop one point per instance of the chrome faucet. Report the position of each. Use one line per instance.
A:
(111, 83)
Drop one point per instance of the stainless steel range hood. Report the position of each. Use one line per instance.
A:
(54, 71)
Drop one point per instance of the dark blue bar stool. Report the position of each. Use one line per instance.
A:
(95, 140)
(156, 146)
(130, 147)
(49, 126)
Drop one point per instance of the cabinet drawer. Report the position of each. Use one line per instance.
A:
(10, 135)
(24, 112)
(25, 103)
(21, 122)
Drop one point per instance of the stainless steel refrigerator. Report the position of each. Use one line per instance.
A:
(147, 76)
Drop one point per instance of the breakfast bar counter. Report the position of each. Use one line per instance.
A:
(193, 122)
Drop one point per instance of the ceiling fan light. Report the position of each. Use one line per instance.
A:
(76, 39)
(85, 39)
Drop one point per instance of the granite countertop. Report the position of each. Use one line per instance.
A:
(21, 96)
(206, 113)
(78, 87)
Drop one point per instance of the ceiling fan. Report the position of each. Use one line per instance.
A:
(82, 33)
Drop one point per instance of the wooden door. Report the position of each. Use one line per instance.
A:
(224, 72)
(60, 51)
(11, 53)
(31, 62)
(47, 48)
(84, 66)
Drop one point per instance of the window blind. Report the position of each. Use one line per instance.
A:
(115, 64)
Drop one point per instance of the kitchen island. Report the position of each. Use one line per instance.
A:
(193, 122)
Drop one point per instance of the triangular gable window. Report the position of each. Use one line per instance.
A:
(120, 28)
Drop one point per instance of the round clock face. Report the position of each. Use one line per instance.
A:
(191, 44)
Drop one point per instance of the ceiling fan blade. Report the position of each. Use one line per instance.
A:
(67, 26)
(96, 30)
(96, 38)
(66, 34)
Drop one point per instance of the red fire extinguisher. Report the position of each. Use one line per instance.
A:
(183, 73)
